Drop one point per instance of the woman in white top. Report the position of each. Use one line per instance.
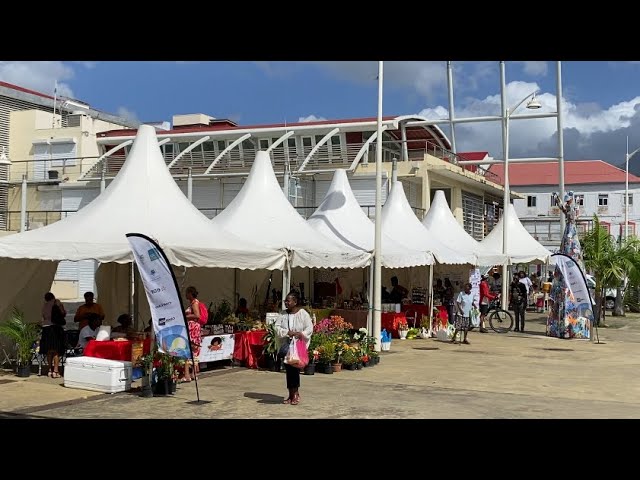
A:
(294, 322)
(464, 303)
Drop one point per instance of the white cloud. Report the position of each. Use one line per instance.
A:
(88, 65)
(535, 68)
(38, 76)
(311, 118)
(127, 114)
(590, 128)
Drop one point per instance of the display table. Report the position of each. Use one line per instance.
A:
(390, 322)
(248, 347)
(416, 310)
(109, 349)
(357, 318)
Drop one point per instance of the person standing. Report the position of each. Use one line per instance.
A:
(485, 297)
(192, 367)
(52, 341)
(464, 303)
(88, 308)
(518, 293)
(448, 299)
(294, 322)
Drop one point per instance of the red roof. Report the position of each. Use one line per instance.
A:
(575, 172)
(473, 156)
(25, 90)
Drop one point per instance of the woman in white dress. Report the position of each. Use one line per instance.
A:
(294, 322)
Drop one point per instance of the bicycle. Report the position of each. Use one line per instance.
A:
(500, 320)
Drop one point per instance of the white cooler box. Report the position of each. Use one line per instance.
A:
(97, 374)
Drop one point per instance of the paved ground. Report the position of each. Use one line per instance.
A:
(497, 376)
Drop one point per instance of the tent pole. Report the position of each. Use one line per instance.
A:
(370, 310)
(431, 300)
(235, 289)
(131, 280)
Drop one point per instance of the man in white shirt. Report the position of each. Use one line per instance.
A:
(527, 283)
(89, 331)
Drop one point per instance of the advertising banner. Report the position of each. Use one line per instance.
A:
(168, 317)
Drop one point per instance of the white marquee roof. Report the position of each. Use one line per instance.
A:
(521, 246)
(339, 216)
(440, 221)
(143, 198)
(261, 211)
(400, 223)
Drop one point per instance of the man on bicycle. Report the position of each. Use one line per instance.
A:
(485, 297)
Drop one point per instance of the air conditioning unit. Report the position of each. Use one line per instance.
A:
(53, 174)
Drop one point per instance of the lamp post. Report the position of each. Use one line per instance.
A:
(377, 249)
(507, 112)
(626, 189)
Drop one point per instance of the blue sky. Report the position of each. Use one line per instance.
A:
(600, 98)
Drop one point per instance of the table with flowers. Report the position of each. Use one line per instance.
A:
(390, 321)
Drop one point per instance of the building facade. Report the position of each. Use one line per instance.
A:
(599, 188)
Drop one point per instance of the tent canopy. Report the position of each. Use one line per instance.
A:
(340, 217)
(401, 224)
(261, 211)
(142, 198)
(521, 246)
(443, 225)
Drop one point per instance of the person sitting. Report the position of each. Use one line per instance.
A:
(86, 309)
(89, 331)
(125, 324)
(398, 292)
(242, 311)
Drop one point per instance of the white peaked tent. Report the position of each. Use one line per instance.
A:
(401, 224)
(142, 198)
(442, 224)
(261, 211)
(339, 216)
(521, 246)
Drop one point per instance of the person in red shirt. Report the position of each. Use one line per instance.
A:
(485, 297)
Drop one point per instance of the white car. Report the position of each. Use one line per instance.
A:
(610, 293)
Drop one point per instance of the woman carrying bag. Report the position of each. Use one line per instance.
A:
(296, 323)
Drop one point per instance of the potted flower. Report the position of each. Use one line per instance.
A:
(350, 357)
(403, 328)
(24, 335)
(326, 356)
(270, 347)
(313, 353)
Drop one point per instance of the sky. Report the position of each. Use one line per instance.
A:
(601, 99)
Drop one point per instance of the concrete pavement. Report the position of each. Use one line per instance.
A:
(496, 376)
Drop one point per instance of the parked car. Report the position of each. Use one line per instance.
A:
(610, 293)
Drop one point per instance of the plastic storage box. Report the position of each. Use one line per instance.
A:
(97, 374)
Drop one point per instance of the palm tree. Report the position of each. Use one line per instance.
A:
(609, 261)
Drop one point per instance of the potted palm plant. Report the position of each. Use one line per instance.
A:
(270, 347)
(24, 335)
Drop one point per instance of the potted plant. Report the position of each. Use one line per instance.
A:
(350, 357)
(24, 335)
(403, 328)
(270, 347)
(326, 356)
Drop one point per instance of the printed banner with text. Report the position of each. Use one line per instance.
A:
(168, 318)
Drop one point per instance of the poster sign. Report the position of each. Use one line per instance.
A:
(215, 348)
(168, 317)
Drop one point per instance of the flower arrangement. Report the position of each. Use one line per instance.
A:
(350, 355)
(402, 324)
(327, 352)
(333, 324)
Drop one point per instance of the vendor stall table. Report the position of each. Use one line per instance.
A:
(248, 347)
(109, 349)
(417, 311)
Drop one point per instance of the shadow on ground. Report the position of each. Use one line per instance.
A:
(265, 397)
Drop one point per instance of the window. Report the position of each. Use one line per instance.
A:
(603, 200)
(531, 201)
(579, 200)
(221, 145)
(264, 143)
(630, 198)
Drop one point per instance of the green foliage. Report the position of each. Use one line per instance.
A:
(23, 334)
(270, 340)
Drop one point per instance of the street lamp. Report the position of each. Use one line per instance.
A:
(533, 104)
(626, 189)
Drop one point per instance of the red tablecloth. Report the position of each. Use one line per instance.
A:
(390, 321)
(111, 350)
(417, 310)
(248, 347)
